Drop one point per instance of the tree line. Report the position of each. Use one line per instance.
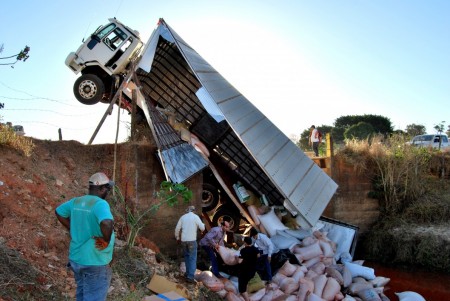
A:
(363, 127)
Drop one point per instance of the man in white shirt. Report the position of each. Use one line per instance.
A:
(314, 140)
(267, 248)
(186, 233)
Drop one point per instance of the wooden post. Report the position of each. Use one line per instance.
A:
(134, 138)
(60, 134)
(329, 145)
(133, 114)
(109, 109)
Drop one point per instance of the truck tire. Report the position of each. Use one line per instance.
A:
(88, 89)
(229, 215)
(210, 197)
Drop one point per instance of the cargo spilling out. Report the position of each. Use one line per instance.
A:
(253, 175)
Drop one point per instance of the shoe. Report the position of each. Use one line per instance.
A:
(189, 280)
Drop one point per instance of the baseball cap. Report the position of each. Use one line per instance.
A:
(99, 179)
(190, 209)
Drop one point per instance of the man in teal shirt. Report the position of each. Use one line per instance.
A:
(91, 226)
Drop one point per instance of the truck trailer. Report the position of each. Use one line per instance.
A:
(177, 91)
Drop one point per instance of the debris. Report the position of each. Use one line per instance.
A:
(169, 296)
(160, 284)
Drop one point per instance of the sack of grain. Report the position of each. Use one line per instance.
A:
(359, 270)
(228, 255)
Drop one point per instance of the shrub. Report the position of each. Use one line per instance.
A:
(8, 137)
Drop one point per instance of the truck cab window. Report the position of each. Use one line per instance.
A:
(126, 45)
(115, 38)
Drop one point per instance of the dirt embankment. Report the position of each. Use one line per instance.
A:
(31, 188)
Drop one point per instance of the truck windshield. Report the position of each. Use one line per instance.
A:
(105, 30)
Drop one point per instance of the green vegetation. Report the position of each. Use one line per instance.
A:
(380, 124)
(412, 185)
(135, 219)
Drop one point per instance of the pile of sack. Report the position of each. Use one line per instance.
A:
(309, 272)
(311, 275)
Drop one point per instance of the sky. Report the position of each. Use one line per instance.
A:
(299, 62)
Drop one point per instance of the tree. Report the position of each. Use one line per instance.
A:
(136, 219)
(381, 125)
(21, 56)
(439, 127)
(415, 130)
(360, 131)
(303, 143)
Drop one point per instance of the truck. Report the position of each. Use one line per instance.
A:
(235, 145)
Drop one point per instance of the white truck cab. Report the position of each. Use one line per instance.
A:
(105, 54)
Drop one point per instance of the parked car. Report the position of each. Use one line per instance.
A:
(431, 140)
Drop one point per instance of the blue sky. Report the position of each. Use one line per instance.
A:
(299, 62)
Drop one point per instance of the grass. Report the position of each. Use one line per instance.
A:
(9, 138)
(19, 280)
(413, 188)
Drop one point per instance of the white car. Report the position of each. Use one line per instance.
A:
(431, 140)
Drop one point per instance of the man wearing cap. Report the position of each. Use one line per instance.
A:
(186, 233)
(91, 225)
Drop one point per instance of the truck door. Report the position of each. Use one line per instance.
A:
(103, 46)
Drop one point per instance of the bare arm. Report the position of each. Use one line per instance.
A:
(107, 227)
(65, 221)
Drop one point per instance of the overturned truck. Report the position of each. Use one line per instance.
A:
(200, 122)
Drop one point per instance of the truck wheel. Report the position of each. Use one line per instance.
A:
(210, 197)
(229, 215)
(88, 89)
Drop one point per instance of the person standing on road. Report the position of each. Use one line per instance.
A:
(314, 140)
(91, 225)
(186, 234)
(247, 267)
(267, 248)
(211, 242)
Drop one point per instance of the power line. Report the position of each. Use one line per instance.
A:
(42, 110)
(33, 96)
(57, 126)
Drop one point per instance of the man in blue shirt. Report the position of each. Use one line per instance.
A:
(91, 225)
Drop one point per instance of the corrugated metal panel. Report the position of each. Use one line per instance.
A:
(296, 176)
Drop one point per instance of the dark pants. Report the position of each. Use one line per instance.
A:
(316, 148)
(243, 280)
(263, 268)
(213, 258)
